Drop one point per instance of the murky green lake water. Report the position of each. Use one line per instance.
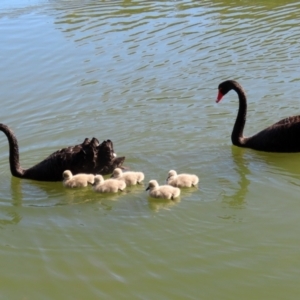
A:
(145, 75)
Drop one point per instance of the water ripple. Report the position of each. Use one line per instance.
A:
(145, 74)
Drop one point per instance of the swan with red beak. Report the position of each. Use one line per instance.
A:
(283, 136)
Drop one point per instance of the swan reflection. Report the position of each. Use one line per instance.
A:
(159, 204)
(10, 218)
(238, 198)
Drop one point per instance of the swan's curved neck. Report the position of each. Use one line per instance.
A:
(14, 161)
(237, 137)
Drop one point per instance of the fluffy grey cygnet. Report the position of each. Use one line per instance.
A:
(163, 191)
(182, 180)
(130, 177)
(78, 180)
(108, 185)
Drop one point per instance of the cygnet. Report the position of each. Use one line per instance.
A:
(78, 180)
(182, 180)
(108, 185)
(130, 177)
(163, 191)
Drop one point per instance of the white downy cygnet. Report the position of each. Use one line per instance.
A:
(130, 177)
(78, 180)
(182, 180)
(163, 191)
(108, 185)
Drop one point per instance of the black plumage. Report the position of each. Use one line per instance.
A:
(283, 136)
(88, 157)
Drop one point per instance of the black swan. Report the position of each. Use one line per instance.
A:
(283, 136)
(88, 157)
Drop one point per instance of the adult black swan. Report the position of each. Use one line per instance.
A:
(283, 136)
(88, 157)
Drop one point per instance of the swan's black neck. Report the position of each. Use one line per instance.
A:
(237, 137)
(14, 161)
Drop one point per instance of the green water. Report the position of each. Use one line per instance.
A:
(145, 75)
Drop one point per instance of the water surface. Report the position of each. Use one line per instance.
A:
(145, 75)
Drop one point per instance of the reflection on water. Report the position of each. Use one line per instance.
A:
(9, 218)
(266, 164)
(16, 191)
(237, 200)
(158, 204)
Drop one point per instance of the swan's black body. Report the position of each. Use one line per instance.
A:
(283, 136)
(88, 157)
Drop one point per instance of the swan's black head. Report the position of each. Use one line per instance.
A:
(107, 159)
(225, 87)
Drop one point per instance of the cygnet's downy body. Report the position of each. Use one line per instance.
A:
(182, 180)
(109, 185)
(130, 177)
(78, 180)
(163, 191)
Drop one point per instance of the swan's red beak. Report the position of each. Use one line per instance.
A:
(220, 96)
